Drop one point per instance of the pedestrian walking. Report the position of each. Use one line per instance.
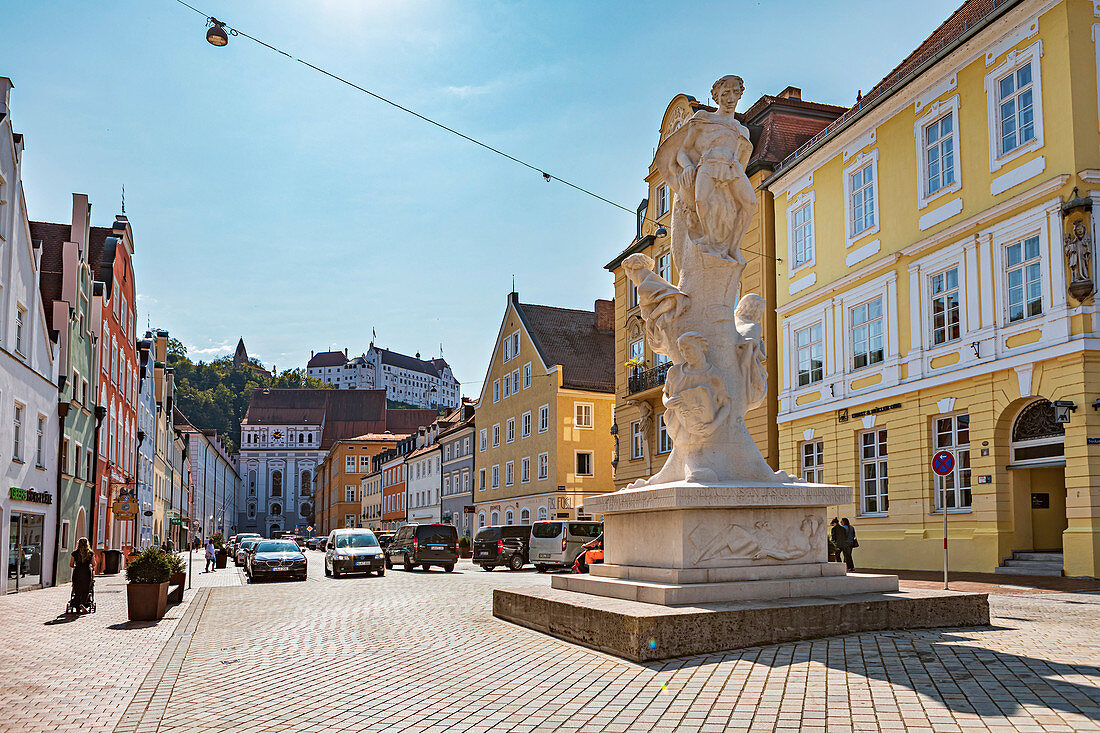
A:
(81, 561)
(853, 543)
(839, 535)
(209, 556)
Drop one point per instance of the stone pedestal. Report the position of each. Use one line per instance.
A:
(682, 543)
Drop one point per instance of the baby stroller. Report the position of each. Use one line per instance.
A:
(73, 606)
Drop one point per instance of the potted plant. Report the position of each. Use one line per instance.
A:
(464, 546)
(221, 555)
(178, 577)
(147, 586)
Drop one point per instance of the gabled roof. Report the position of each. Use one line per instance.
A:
(970, 18)
(52, 263)
(343, 413)
(570, 338)
(327, 359)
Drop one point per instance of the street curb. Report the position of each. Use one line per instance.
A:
(151, 699)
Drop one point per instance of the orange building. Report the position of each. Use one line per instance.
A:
(391, 464)
(338, 503)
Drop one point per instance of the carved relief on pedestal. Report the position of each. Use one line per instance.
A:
(758, 541)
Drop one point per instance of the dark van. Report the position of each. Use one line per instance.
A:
(424, 545)
(504, 545)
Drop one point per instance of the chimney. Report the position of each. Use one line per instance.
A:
(5, 96)
(791, 93)
(605, 315)
(81, 216)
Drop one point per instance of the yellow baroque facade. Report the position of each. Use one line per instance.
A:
(936, 296)
(543, 420)
(778, 124)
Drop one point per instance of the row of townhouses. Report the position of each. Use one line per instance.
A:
(90, 441)
(928, 254)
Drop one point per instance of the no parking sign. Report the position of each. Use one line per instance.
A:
(943, 463)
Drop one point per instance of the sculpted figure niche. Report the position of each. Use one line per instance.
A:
(712, 334)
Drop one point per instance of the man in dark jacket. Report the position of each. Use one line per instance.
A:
(839, 535)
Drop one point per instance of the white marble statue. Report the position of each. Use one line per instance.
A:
(713, 336)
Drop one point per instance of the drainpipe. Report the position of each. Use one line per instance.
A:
(100, 414)
(62, 412)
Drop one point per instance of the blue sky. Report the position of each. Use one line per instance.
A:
(272, 203)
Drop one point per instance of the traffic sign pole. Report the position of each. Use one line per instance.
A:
(943, 464)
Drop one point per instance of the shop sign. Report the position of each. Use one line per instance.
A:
(876, 410)
(36, 497)
(124, 509)
(1092, 441)
(469, 509)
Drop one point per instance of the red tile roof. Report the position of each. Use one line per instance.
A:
(965, 21)
(53, 238)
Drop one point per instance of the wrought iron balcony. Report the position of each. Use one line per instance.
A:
(640, 381)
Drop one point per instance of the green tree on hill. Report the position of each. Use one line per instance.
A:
(214, 395)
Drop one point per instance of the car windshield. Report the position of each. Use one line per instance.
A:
(277, 546)
(436, 534)
(359, 539)
(489, 534)
(546, 530)
(247, 544)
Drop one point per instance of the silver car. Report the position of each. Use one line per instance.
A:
(353, 551)
(556, 544)
(243, 548)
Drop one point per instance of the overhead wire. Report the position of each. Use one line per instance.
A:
(548, 177)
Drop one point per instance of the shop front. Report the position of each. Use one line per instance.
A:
(30, 540)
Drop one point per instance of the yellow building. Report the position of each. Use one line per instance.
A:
(338, 479)
(778, 125)
(543, 420)
(934, 297)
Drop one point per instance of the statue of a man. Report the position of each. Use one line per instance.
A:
(712, 179)
(1078, 247)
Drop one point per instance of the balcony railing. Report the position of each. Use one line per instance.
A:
(640, 381)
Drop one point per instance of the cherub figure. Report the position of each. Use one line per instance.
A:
(696, 403)
(751, 354)
(661, 302)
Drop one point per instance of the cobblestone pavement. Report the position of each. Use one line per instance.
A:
(421, 652)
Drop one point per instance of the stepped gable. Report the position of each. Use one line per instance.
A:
(327, 359)
(570, 338)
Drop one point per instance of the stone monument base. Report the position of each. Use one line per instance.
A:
(644, 632)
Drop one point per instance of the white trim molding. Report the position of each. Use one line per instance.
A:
(861, 253)
(1018, 175)
(862, 160)
(803, 200)
(801, 283)
(940, 214)
(934, 113)
(1012, 62)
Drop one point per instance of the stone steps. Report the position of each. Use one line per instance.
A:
(1033, 563)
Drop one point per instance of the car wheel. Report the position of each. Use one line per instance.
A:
(335, 572)
(488, 568)
(407, 565)
(389, 565)
(327, 573)
(449, 568)
(540, 568)
(516, 563)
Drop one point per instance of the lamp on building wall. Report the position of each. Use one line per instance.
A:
(661, 233)
(216, 35)
(1062, 410)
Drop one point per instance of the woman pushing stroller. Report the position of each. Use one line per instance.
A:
(82, 561)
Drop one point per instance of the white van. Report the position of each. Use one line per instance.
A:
(556, 544)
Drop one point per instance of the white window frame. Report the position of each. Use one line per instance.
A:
(1044, 271)
(960, 475)
(40, 441)
(934, 114)
(496, 435)
(592, 463)
(481, 479)
(515, 381)
(637, 440)
(931, 298)
(870, 158)
(544, 412)
(662, 265)
(20, 329)
(18, 418)
(885, 335)
(525, 425)
(798, 354)
(880, 482)
(496, 476)
(579, 408)
(496, 391)
(509, 473)
(1031, 55)
(510, 430)
(663, 205)
(507, 387)
(527, 375)
(664, 440)
(811, 470)
(525, 470)
(544, 466)
(483, 440)
(805, 201)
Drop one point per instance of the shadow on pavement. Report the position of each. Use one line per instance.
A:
(129, 625)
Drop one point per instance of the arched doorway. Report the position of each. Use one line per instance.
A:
(1038, 460)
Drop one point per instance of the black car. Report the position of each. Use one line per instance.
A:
(277, 559)
(507, 545)
(384, 539)
(424, 545)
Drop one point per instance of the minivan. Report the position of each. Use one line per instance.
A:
(424, 545)
(505, 545)
(556, 544)
(353, 551)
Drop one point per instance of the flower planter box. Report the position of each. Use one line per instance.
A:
(178, 580)
(465, 552)
(220, 558)
(146, 601)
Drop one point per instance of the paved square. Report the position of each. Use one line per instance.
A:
(421, 652)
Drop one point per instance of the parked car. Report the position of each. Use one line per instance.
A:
(244, 536)
(505, 545)
(424, 545)
(314, 543)
(353, 551)
(384, 539)
(556, 544)
(240, 557)
(276, 558)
